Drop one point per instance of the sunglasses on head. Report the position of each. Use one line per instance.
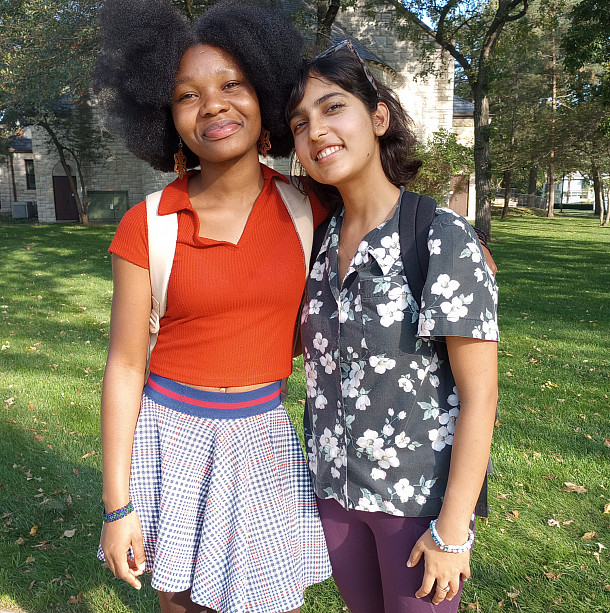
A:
(347, 44)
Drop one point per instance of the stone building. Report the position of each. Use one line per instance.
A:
(122, 180)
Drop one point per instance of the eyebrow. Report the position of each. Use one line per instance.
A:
(219, 70)
(300, 110)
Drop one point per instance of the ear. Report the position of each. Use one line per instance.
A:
(381, 119)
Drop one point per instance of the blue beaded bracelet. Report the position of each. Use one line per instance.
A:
(467, 546)
(118, 514)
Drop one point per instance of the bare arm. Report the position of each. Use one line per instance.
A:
(474, 367)
(121, 395)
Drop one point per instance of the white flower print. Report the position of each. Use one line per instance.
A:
(455, 310)
(363, 401)
(478, 274)
(388, 507)
(391, 412)
(311, 376)
(319, 342)
(344, 310)
(453, 399)
(369, 442)
(404, 490)
(388, 458)
(358, 304)
(434, 246)
(328, 363)
(361, 256)
(402, 440)
(402, 415)
(338, 429)
(399, 295)
(449, 419)
(335, 473)
(321, 400)
(380, 363)
(389, 313)
(406, 383)
(314, 306)
(426, 323)
(440, 438)
(392, 244)
(444, 286)
(377, 474)
(367, 504)
(388, 430)
(317, 272)
(329, 442)
(434, 380)
(420, 499)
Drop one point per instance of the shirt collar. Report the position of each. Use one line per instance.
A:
(176, 195)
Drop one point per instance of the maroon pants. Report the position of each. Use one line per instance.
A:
(369, 553)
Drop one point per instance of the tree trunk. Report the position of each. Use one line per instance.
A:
(508, 180)
(326, 14)
(531, 186)
(607, 222)
(12, 167)
(550, 211)
(482, 160)
(551, 208)
(597, 190)
(82, 211)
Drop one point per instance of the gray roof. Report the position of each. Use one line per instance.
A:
(462, 107)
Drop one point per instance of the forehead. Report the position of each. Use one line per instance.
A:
(206, 60)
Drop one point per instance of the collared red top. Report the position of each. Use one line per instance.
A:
(381, 398)
(231, 308)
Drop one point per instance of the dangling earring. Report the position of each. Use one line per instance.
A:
(263, 143)
(180, 161)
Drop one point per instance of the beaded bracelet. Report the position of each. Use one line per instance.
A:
(467, 546)
(118, 514)
(482, 239)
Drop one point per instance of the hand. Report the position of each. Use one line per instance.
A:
(117, 537)
(445, 569)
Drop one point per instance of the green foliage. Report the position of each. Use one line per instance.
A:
(442, 158)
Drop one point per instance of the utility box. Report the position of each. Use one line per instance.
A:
(23, 210)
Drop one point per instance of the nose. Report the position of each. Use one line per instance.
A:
(212, 103)
(317, 128)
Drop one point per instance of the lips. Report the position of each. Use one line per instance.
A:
(327, 151)
(221, 129)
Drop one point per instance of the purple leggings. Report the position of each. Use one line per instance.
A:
(369, 553)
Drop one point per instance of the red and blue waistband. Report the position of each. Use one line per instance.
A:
(216, 405)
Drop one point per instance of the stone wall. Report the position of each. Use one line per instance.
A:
(7, 197)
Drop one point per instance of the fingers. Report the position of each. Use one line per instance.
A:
(117, 539)
(415, 555)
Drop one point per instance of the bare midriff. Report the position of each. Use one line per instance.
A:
(222, 390)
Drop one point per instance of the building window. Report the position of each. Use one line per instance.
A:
(30, 176)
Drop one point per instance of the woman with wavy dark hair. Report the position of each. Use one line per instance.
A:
(401, 391)
(205, 483)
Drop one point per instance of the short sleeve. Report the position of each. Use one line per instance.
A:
(460, 296)
(130, 241)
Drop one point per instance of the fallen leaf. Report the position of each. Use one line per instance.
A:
(30, 559)
(607, 441)
(19, 541)
(588, 536)
(607, 587)
(552, 522)
(596, 556)
(553, 575)
(607, 508)
(32, 584)
(34, 530)
(572, 487)
(567, 523)
(513, 594)
(87, 455)
(37, 437)
(600, 546)
(515, 514)
(69, 533)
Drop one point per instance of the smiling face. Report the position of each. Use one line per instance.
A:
(215, 109)
(335, 136)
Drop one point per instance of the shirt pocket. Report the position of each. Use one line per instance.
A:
(389, 321)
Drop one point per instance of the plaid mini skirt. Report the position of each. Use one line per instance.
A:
(221, 487)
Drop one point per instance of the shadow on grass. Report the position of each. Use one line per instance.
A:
(50, 514)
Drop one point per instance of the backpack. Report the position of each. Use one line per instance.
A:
(163, 232)
(416, 215)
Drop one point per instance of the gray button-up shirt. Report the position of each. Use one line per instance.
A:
(381, 397)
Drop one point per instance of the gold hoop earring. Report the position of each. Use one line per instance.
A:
(264, 145)
(180, 161)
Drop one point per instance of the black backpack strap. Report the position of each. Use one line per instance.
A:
(416, 215)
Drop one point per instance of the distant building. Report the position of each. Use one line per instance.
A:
(122, 180)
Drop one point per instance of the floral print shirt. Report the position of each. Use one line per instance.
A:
(381, 399)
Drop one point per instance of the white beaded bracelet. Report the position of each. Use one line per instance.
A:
(467, 546)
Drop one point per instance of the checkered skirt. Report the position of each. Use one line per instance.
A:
(226, 508)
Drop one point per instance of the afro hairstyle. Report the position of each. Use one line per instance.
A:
(143, 42)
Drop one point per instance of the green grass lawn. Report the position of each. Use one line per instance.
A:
(545, 547)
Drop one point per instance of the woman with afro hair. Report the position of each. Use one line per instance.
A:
(205, 483)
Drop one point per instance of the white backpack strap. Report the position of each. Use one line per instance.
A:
(299, 207)
(162, 235)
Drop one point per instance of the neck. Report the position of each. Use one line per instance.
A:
(367, 207)
(229, 181)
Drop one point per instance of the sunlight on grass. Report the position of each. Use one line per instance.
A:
(545, 547)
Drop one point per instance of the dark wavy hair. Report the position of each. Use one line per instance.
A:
(143, 42)
(397, 145)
